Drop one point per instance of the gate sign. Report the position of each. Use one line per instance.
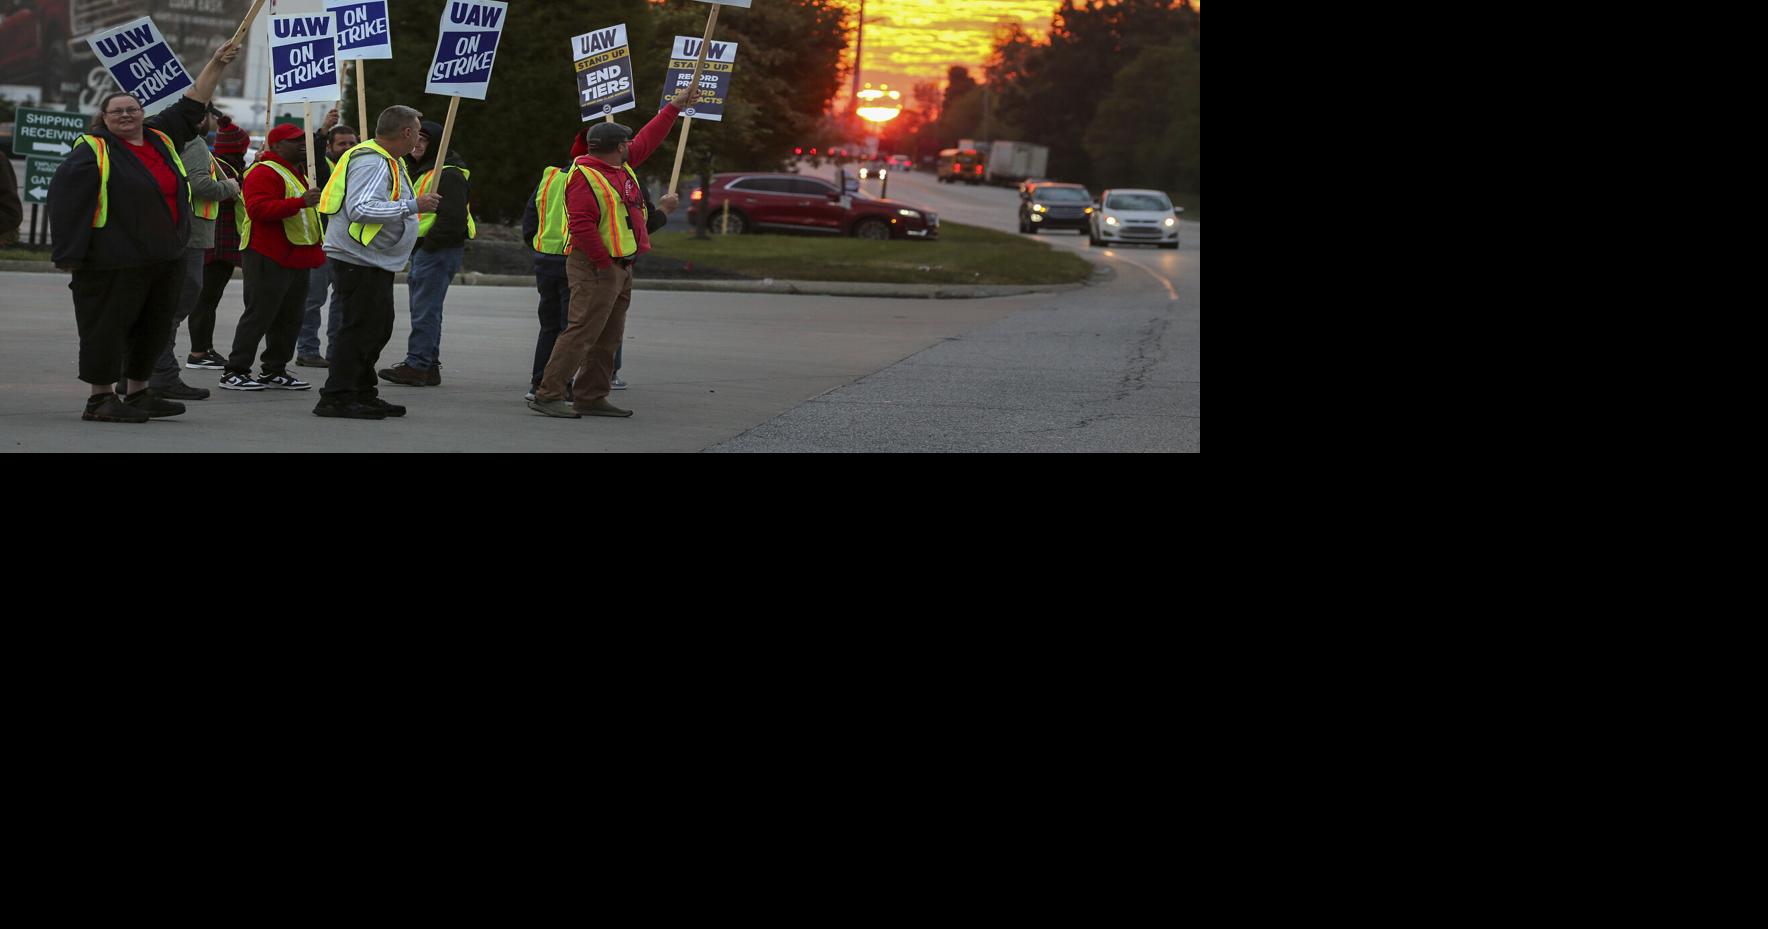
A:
(604, 73)
(303, 58)
(136, 54)
(38, 173)
(47, 132)
(721, 57)
(466, 49)
(362, 29)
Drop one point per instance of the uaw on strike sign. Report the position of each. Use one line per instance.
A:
(604, 73)
(303, 58)
(721, 57)
(362, 28)
(466, 48)
(136, 54)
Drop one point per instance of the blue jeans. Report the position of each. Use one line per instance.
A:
(308, 344)
(431, 273)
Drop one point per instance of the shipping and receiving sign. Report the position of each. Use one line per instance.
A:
(303, 58)
(362, 28)
(604, 73)
(47, 132)
(136, 54)
(38, 173)
(466, 49)
(715, 76)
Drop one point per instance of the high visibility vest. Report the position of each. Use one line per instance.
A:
(331, 200)
(615, 226)
(241, 222)
(101, 216)
(422, 186)
(554, 237)
(301, 228)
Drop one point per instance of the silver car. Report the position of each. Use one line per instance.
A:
(1130, 216)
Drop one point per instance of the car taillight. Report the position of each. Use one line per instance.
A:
(978, 169)
(696, 195)
(813, 151)
(798, 151)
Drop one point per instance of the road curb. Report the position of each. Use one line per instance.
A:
(784, 288)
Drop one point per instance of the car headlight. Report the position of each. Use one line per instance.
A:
(912, 214)
(862, 174)
(1089, 211)
(1110, 220)
(1039, 208)
(1171, 222)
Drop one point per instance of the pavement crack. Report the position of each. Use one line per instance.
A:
(1148, 351)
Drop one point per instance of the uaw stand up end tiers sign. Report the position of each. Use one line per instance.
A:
(466, 48)
(604, 73)
(137, 55)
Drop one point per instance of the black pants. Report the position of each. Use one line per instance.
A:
(125, 317)
(216, 274)
(555, 315)
(276, 299)
(368, 326)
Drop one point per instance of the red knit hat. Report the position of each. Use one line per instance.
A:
(231, 140)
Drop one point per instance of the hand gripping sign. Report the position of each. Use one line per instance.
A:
(137, 55)
(604, 73)
(715, 75)
(303, 58)
(466, 49)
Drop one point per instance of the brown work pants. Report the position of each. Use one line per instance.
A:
(599, 297)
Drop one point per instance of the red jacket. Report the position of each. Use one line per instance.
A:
(585, 212)
(268, 204)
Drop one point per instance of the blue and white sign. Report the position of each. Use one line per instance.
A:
(136, 54)
(466, 48)
(303, 58)
(363, 29)
(715, 75)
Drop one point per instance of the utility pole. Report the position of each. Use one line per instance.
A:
(859, 53)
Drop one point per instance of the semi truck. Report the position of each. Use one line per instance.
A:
(1012, 162)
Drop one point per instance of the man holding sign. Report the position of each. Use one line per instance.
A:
(606, 213)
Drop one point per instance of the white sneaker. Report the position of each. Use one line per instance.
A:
(618, 383)
(529, 396)
(241, 382)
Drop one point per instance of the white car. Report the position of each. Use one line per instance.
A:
(1125, 216)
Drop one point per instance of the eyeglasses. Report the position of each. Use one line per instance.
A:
(131, 111)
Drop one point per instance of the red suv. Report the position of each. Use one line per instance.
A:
(793, 203)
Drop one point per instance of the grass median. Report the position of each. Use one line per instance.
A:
(961, 255)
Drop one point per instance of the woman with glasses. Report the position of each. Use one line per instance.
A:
(120, 213)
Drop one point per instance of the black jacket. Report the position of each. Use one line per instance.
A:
(554, 265)
(450, 229)
(138, 230)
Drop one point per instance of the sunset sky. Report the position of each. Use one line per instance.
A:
(909, 41)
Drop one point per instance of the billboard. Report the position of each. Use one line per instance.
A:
(45, 58)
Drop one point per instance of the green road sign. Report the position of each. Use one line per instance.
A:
(47, 132)
(38, 173)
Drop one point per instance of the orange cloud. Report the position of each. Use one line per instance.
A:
(911, 41)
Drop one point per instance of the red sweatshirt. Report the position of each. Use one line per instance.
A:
(585, 211)
(268, 204)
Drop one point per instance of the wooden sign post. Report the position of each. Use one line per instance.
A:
(365, 126)
(307, 114)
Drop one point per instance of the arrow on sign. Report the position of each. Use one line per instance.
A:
(39, 193)
(59, 148)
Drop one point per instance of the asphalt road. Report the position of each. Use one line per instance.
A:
(1112, 367)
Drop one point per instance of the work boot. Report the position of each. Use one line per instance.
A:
(602, 408)
(154, 407)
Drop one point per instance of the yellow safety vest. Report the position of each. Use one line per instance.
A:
(615, 226)
(241, 222)
(301, 228)
(101, 216)
(331, 200)
(422, 186)
(554, 236)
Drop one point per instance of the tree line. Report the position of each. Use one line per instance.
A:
(1114, 91)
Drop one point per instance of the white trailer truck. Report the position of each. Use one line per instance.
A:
(1012, 162)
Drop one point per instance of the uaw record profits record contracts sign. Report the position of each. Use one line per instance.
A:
(363, 30)
(604, 73)
(303, 58)
(466, 48)
(136, 54)
(721, 57)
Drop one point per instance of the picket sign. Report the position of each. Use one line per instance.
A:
(467, 57)
(681, 147)
(364, 31)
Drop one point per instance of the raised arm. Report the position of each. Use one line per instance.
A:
(204, 89)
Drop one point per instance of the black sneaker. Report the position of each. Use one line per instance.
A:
(154, 407)
(205, 360)
(284, 381)
(391, 409)
(108, 408)
(180, 391)
(347, 409)
(241, 382)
